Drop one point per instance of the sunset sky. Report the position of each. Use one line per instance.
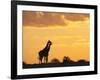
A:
(69, 33)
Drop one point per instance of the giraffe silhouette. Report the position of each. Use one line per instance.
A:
(44, 53)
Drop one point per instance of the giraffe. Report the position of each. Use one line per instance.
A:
(44, 53)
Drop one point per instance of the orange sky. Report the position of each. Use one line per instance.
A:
(69, 33)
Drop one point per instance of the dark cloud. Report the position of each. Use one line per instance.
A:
(76, 16)
(41, 19)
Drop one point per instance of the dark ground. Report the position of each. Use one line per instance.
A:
(26, 66)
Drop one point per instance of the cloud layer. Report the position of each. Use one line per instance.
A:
(42, 19)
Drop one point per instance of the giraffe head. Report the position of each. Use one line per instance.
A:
(49, 42)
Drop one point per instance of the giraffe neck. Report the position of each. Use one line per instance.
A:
(46, 46)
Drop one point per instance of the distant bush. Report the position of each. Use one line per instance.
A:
(82, 61)
(55, 60)
(24, 63)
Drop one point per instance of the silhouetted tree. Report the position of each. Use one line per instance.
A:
(67, 60)
(55, 60)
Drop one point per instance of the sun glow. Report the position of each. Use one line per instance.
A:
(69, 34)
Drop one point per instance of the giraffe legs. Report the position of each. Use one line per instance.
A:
(40, 60)
(46, 59)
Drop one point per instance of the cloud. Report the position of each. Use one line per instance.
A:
(42, 19)
(76, 16)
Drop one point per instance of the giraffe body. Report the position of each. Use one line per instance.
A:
(43, 54)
